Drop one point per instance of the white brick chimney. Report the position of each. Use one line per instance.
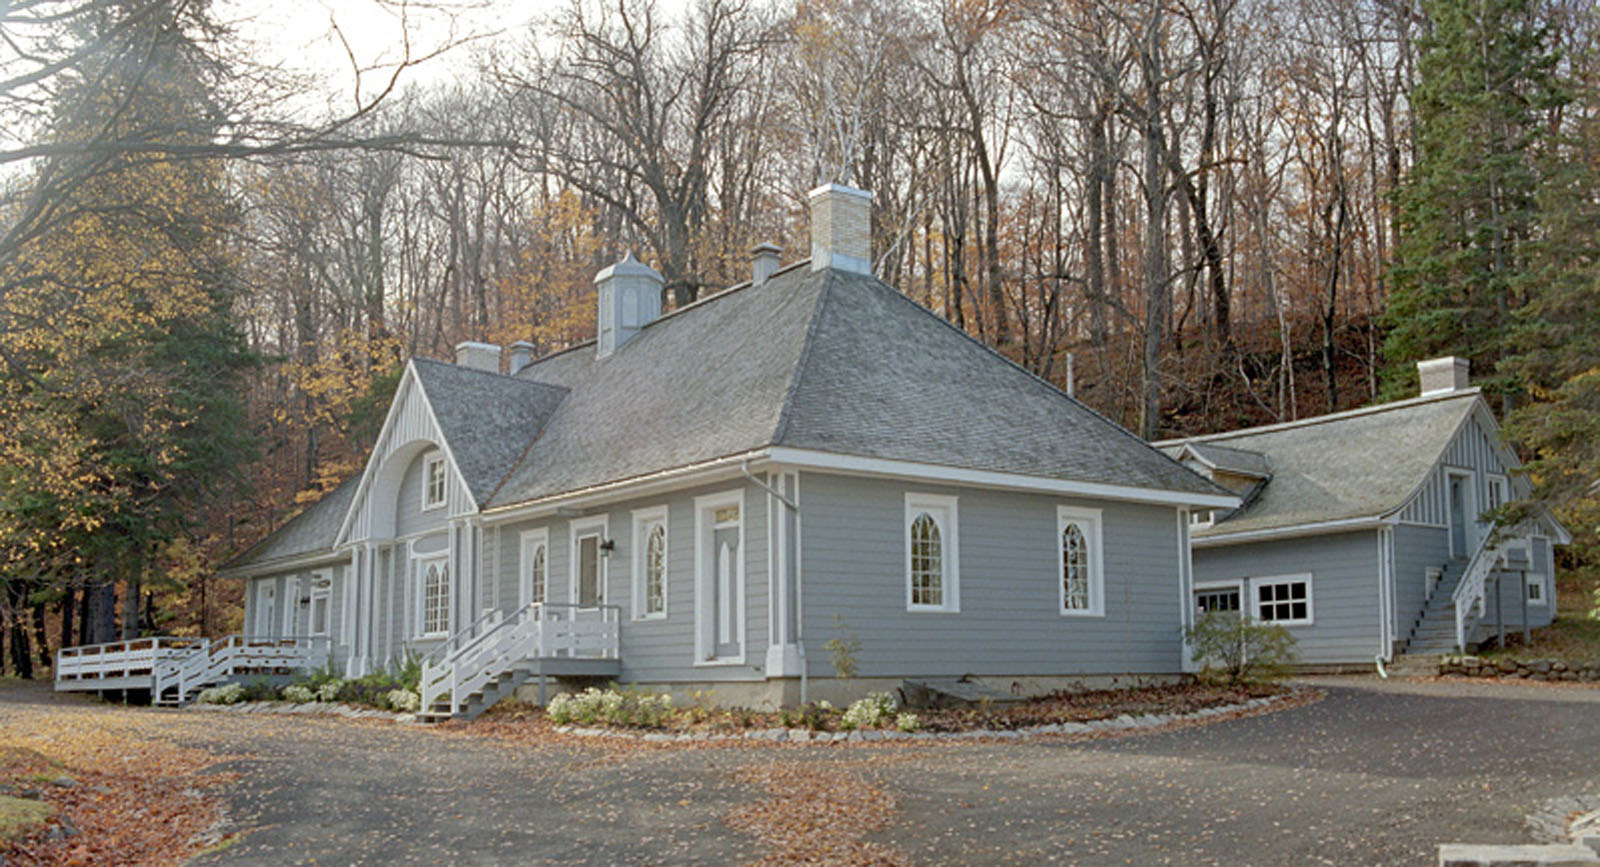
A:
(1444, 375)
(479, 356)
(630, 298)
(841, 229)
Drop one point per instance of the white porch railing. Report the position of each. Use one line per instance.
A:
(189, 664)
(539, 630)
(1469, 596)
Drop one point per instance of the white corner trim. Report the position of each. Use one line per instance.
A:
(1089, 522)
(925, 472)
(945, 512)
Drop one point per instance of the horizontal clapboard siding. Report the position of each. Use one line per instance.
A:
(1416, 550)
(1344, 588)
(853, 557)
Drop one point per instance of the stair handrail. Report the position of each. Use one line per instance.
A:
(1469, 590)
(514, 637)
(441, 666)
(461, 636)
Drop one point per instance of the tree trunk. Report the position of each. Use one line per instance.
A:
(1155, 241)
(69, 599)
(21, 652)
(41, 637)
(103, 613)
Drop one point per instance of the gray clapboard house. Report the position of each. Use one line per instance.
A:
(704, 499)
(1364, 532)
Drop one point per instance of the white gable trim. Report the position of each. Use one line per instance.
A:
(1367, 522)
(913, 470)
(386, 447)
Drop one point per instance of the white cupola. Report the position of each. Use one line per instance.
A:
(630, 298)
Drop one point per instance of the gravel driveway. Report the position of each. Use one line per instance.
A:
(1378, 772)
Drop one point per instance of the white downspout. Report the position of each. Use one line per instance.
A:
(799, 606)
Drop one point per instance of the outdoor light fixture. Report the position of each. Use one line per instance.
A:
(608, 545)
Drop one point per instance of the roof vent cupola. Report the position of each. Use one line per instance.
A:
(630, 299)
(764, 262)
(841, 229)
(1444, 375)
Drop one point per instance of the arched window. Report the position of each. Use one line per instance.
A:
(927, 561)
(435, 597)
(536, 574)
(1074, 569)
(655, 571)
(1081, 578)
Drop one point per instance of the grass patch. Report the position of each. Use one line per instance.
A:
(20, 817)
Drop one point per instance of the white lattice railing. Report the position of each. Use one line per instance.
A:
(1469, 595)
(539, 630)
(189, 664)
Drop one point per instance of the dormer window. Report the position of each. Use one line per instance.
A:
(433, 478)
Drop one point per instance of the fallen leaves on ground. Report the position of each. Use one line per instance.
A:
(1096, 704)
(122, 792)
(816, 814)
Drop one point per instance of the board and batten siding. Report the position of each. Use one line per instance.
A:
(1416, 550)
(655, 650)
(410, 423)
(1472, 448)
(1345, 598)
(853, 557)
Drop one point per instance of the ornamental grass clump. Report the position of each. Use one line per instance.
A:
(868, 713)
(624, 708)
(298, 694)
(229, 694)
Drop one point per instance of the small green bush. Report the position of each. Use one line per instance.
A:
(232, 693)
(298, 694)
(403, 700)
(1239, 649)
(869, 712)
(907, 722)
(260, 689)
(624, 708)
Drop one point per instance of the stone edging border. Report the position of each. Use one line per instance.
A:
(1124, 723)
(348, 711)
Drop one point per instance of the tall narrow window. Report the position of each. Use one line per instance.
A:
(535, 566)
(321, 594)
(433, 482)
(435, 597)
(931, 553)
(588, 563)
(650, 563)
(1081, 579)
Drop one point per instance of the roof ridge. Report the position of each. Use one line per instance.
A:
(804, 358)
(1326, 418)
(1037, 379)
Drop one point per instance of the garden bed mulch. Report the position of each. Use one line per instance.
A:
(1097, 713)
(119, 794)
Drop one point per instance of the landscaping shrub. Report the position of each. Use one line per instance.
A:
(231, 693)
(907, 722)
(329, 691)
(625, 708)
(297, 693)
(1239, 649)
(403, 700)
(260, 689)
(869, 712)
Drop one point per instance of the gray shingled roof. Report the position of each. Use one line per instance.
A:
(1232, 460)
(310, 531)
(823, 360)
(1358, 464)
(487, 419)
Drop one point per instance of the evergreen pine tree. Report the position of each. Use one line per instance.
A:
(1485, 90)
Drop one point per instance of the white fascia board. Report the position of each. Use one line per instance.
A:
(853, 465)
(1343, 525)
(717, 469)
(286, 564)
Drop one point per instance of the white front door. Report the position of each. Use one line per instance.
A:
(719, 584)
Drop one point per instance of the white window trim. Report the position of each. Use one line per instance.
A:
(321, 591)
(420, 564)
(1089, 521)
(529, 540)
(578, 529)
(291, 599)
(1469, 509)
(1235, 584)
(434, 460)
(266, 589)
(643, 520)
(1497, 482)
(705, 562)
(944, 511)
(1272, 580)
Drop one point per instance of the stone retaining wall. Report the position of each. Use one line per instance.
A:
(1529, 669)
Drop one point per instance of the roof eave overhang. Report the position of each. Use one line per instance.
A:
(635, 486)
(1293, 531)
(283, 564)
(913, 470)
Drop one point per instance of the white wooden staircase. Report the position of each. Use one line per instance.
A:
(1449, 621)
(490, 658)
